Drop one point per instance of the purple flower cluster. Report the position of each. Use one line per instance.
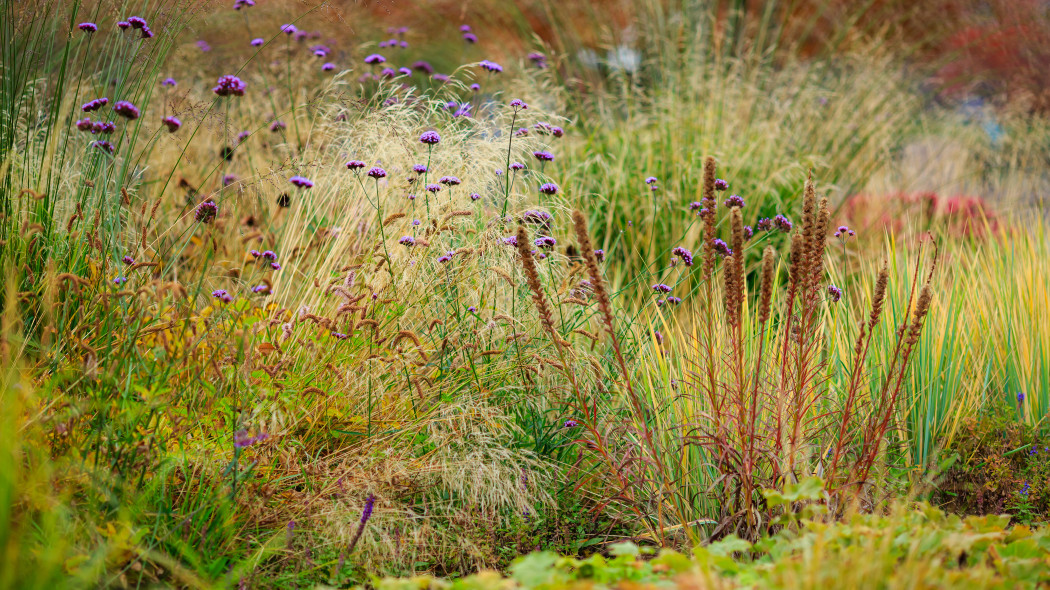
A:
(549, 188)
(599, 254)
(546, 242)
(721, 185)
(661, 288)
(104, 146)
(538, 59)
(173, 123)
(222, 295)
(229, 85)
(241, 440)
(543, 156)
(490, 66)
(206, 212)
(94, 105)
(375, 59)
(844, 232)
(779, 222)
(433, 188)
(126, 109)
(407, 241)
(301, 182)
(430, 137)
(88, 27)
(735, 201)
(377, 173)
(449, 181)
(517, 103)
(685, 255)
(721, 247)
(355, 165)
(834, 293)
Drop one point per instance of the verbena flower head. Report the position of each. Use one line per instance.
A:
(168, 82)
(599, 255)
(278, 126)
(137, 22)
(88, 27)
(446, 257)
(782, 223)
(128, 260)
(433, 188)
(735, 201)
(206, 212)
(834, 293)
(258, 42)
(440, 78)
(764, 224)
(423, 66)
(94, 105)
(475, 87)
(222, 295)
(464, 28)
(721, 185)
(229, 179)
(674, 300)
(538, 59)
(449, 181)
(289, 29)
(543, 156)
(374, 59)
(521, 132)
(355, 165)
(685, 255)
(517, 166)
(301, 182)
(1020, 396)
(536, 217)
(104, 146)
(463, 110)
(126, 109)
(407, 241)
(474, 196)
(239, 4)
(148, 34)
(490, 66)
(404, 71)
(120, 280)
(748, 232)
(549, 188)
(243, 135)
(173, 123)
(721, 247)
(470, 38)
(388, 73)
(419, 168)
(327, 67)
(650, 180)
(377, 173)
(510, 241)
(546, 242)
(571, 424)
(430, 137)
(103, 127)
(229, 85)
(275, 266)
(203, 46)
(123, 25)
(661, 288)
(844, 232)
(84, 124)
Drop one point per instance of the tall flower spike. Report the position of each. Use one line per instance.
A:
(709, 204)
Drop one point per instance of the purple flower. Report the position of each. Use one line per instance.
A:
(137, 22)
(674, 300)
(544, 156)
(369, 506)
(423, 66)
(748, 232)
(721, 247)
(203, 46)
(511, 240)
(440, 77)
(474, 196)
(735, 201)
(168, 82)
(239, 4)
(173, 123)
(123, 25)
(449, 180)
(685, 255)
(84, 124)
(475, 87)
(100, 127)
(126, 109)
(721, 185)
(470, 37)
(404, 71)
(229, 179)
(844, 232)
(94, 105)
(661, 288)
(546, 242)
(834, 293)
(222, 295)
(538, 59)
(537, 217)
(128, 260)
(571, 424)
(206, 212)
(104, 146)
(549, 188)
(446, 257)
(277, 126)
(517, 166)
(419, 168)
(377, 173)
(388, 73)
(1020, 397)
(464, 28)
(490, 66)
(557, 131)
(782, 223)
(254, 253)
(434, 188)
(522, 132)
(243, 135)
(374, 59)
(764, 224)
(301, 182)
(463, 110)
(327, 67)
(430, 137)
(407, 241)
(258, 42)
(275, 265)
(650, 180)
(88, 27)
(289, 29)
(229, 85)
(120, 280)
(355, 165)
(599, 255)
(148, 34)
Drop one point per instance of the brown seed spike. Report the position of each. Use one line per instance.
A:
(768, 267)
(532, 279)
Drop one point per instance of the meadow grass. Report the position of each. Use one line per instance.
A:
(327, 326)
